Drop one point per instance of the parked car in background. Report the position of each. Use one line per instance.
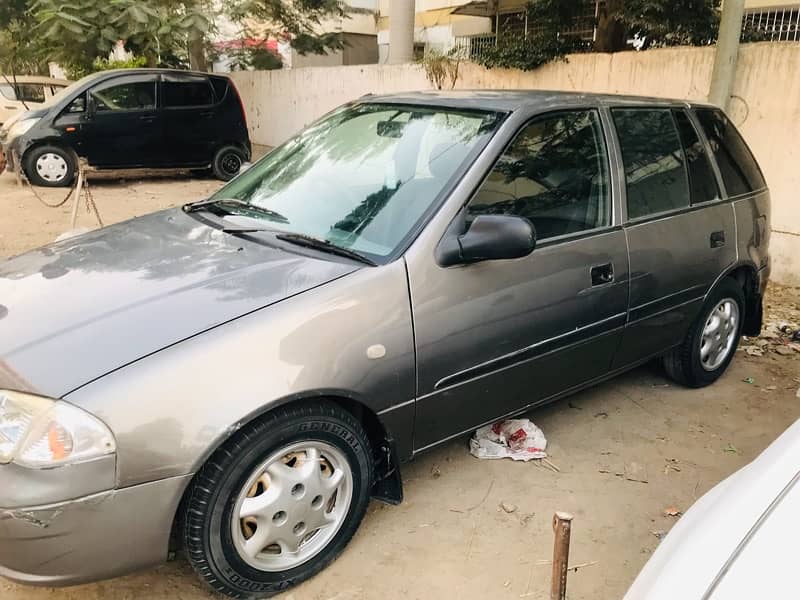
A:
(739, 541)
(25, 92)
(244, 373)
(132, 118)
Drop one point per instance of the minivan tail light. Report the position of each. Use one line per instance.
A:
(241, 103)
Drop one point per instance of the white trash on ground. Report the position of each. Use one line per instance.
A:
(518, 439)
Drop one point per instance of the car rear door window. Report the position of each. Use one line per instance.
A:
(655, 166)
(702, 182)
(131, 95)
(30, 92)
(740, 172)
(180, 94)
(555, 173)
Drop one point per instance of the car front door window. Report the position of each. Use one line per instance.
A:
(555, 174)
(135, 95)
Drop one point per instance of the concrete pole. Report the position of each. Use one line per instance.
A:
(727, 51)
(401, 31)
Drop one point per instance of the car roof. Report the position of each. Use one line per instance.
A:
(513, 100)
(145, 70)
(33, 79)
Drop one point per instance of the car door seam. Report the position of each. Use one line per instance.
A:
(461, 376)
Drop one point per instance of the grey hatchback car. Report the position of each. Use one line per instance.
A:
(245, 373)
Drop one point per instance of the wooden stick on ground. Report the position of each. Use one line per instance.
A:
(562, 527)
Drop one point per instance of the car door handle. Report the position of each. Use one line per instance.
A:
(717, 239)
(602, 274)
(147, 118)
(10, 107)
(207, 115)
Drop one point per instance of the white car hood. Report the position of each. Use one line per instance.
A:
(692, 555)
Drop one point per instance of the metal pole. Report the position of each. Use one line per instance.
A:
(76, 197)
(401, 31)
(562, 527)
(730, 32)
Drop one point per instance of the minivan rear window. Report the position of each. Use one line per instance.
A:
(655, 167)
(187, 93)
(739, 169)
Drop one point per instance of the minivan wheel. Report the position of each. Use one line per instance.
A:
(227, 163)
(279, 501)
(50, 166)
(711, 342)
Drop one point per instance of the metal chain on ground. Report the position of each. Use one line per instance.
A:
(24, 177)
(90, 203)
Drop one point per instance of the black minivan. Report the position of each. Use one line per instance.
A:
(132, 118)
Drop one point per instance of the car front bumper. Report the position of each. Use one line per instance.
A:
(91, 538)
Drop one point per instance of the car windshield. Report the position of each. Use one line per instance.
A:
(69, 90)
(364, 176)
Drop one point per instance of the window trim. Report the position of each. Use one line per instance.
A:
(122, 80)
(624, 177)
(567, 237)
(698, 130)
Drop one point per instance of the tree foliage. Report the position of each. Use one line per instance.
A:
(79, 31)
(299, 21)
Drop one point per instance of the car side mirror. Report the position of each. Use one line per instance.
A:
(489, 237)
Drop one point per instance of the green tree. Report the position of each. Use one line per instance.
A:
(80, 31)
(298, 20)
(20, 51)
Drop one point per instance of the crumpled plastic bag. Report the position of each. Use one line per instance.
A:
(518, 439)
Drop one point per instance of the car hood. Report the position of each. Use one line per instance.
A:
(698, 547)
(75, 310)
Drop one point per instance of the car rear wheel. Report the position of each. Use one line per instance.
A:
(227, 163)
(50, 166)
(279, 501)
(712, 340)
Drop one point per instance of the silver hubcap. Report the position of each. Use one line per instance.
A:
(51, 167)
(292, 506)
(719, 334)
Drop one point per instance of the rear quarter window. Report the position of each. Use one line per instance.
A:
(220, 85)
(739, 169)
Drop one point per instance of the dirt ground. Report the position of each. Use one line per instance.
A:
(451, 538)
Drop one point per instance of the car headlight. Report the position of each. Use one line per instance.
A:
(21, 127)
(39, 432)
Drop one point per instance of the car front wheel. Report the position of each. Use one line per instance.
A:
(50, 166)
(279, 501)
(712, 340)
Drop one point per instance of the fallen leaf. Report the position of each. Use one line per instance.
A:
(672, 512)
(749, 380)
(731, 448)
(508, 507)
(436, 472)
(601, 414)
(784, 350)
(659, 534)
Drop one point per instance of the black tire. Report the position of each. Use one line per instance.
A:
(50, 178)
(208, 509)
(683, 364)
(228, 162)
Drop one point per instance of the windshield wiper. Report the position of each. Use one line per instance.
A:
(235, 202)
(324, 246)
